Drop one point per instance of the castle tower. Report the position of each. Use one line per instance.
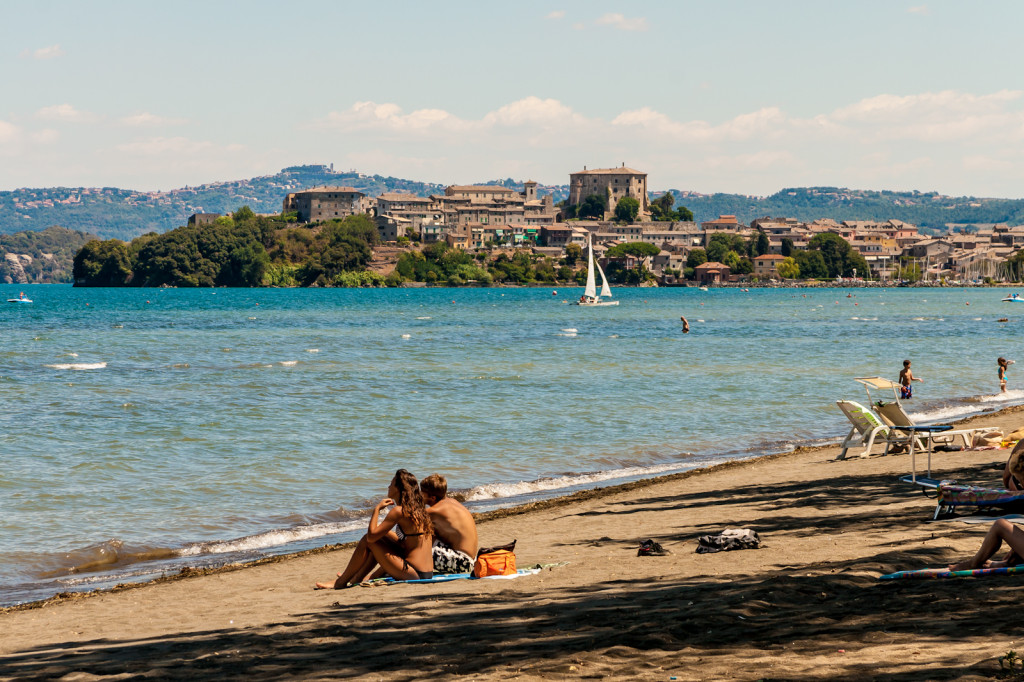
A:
(530, 190)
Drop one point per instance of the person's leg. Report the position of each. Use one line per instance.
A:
(1002, 530)
(359, 565)
(391, 558)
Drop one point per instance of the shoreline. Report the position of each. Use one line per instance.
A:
(189, 572)
(808, 604)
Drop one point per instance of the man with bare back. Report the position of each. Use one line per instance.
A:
(455, 540)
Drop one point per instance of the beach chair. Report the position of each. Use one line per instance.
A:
(866, 427)
(952, 496)
(893, 414)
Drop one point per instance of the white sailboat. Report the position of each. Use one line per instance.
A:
(590, 296)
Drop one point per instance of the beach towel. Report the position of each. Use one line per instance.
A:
(728, 540)
(380, 582)
(952, 495)
(933, 573)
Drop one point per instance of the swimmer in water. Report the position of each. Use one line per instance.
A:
(686, 325)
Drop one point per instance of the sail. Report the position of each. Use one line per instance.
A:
(605, 289)
(591, 290)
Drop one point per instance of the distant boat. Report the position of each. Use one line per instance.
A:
(22, 298)
(590, 296)
(703, 288)
(1013, 298)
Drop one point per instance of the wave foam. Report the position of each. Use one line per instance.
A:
(272, 538)
(492, 491)
(77, 365)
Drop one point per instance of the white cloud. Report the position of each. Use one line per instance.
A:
(532, 111)
(390, 116)
(66, 113)
(51, 52)
(619, 21)
(45, 136)
(557, 14)
(9, 132)
(146, 119)
(919, 9)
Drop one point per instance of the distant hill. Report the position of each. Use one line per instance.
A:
(125, 214)
(43, 257)
(925, 209)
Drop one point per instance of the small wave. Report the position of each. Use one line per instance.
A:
(571, 335)
(77, 365)
(252, 318)
(570, 330)
(406, 336)
(426, 317)
(105, 555)
(71, 355)
(288, 363)
(272, 538)
(312, 350)
(492, 491)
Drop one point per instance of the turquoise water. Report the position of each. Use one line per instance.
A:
(146, 429)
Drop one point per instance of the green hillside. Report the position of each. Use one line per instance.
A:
(924, 209)
(125, 214)
(42, 257)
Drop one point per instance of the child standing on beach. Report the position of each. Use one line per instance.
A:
(1004, 364)
(906, 377)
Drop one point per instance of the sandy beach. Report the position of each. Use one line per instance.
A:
(806, 605)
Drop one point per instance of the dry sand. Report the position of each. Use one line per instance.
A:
(807, 605)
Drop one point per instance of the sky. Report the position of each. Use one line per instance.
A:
(746, 97)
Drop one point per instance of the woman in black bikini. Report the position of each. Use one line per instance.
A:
(400, 544)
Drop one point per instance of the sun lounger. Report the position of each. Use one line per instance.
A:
(893, 414)
(952, 496)
(866, 427)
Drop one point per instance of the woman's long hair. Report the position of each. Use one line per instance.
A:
(410, 499)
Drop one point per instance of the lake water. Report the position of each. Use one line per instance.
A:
(143, 430)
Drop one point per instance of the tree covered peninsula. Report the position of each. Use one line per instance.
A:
(246, 250)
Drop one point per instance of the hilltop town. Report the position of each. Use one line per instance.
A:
(613, 207)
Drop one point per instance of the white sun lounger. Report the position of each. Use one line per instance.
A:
(866, 427)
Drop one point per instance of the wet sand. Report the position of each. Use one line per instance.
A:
(807, 605)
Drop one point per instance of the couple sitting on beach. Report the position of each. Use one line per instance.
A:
(1002, 530)
(424, 532)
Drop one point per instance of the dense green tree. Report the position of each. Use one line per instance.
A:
(573, 252)
(787, 246)
(720, 243)
(627, 209)
(839, 257)
(759, 244)
(696, 257)
(788, 269)
(811, 264)
(638, 249)
(102, 264)
(594, 207)
(662, 209)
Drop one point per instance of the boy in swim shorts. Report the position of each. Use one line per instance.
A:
(455, 539)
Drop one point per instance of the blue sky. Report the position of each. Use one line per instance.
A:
(746, 97)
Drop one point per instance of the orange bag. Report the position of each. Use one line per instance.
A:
(502, 562)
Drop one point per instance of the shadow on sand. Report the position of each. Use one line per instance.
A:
(623, 628)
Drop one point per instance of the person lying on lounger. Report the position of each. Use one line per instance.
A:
(455, 540)
(1001, 531)
(400, 544)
